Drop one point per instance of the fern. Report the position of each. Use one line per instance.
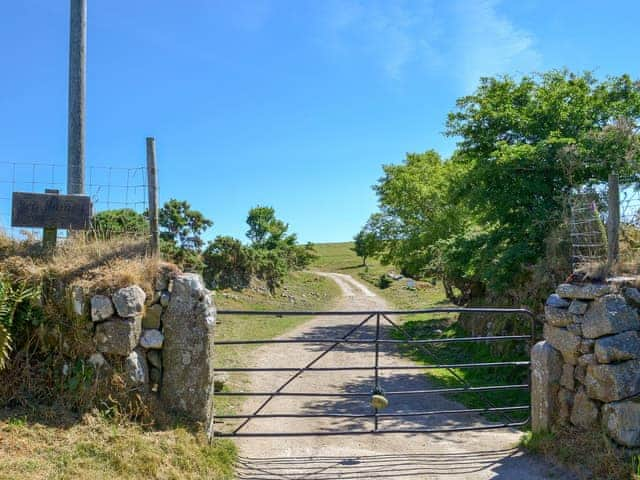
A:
(5, 346)
(11, 297)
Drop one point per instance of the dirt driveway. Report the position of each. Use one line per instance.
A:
(454, 455)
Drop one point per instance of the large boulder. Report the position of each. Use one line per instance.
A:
(564, 341)
(129, 301)
(101, 308)
(584, 412)
(118, 336)
(609, 315)
(622, 421)
(614, 381)
(187, 356)
(589, 291)
(616, 348)
(546, 369)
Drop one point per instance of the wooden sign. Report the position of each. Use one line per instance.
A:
(50, 210)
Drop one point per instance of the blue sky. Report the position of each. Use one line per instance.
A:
(289, 103)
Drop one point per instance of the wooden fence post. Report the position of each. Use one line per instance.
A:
(152, 182)
(613, 220)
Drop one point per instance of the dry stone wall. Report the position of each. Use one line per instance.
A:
(165, 340)
(587, 371)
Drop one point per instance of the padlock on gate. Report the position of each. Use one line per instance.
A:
(379, 400)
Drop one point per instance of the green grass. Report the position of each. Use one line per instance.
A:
(339, 257)
(467, 352)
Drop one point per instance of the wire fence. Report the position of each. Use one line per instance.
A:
(588, 223)
(108, 187)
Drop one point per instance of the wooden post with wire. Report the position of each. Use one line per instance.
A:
(152, 187)
(613, 221)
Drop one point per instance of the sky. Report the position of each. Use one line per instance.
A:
(294, 104)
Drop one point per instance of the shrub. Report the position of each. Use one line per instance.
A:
(124, 221)
(384, 281)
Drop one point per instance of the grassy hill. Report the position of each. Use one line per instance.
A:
(340, 258)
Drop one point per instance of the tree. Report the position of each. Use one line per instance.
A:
(264, 228)
(480, 220)
(181, 233)
(366, 244)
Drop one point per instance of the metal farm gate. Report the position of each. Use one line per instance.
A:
(377, 322)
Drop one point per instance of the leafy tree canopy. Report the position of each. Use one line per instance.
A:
(480, 219)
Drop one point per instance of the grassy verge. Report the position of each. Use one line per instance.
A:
(52, 444)
(301, 291)
(590, 454)
(338, 257)
(476, 352)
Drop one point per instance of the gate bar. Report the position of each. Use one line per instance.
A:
(410, 342)
(368, 394)
(397, 367)
(379, 432)
(376, 415)
(284, 313)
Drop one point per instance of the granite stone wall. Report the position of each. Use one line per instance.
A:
(587, 371)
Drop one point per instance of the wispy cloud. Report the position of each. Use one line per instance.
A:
(466, 39)
(391, 34)
(488, 43)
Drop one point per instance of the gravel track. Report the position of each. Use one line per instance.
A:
(452, 455)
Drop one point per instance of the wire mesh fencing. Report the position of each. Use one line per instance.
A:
(630, 223)
(109, 188)
(588, 224)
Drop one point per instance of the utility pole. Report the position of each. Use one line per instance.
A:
(77, 81)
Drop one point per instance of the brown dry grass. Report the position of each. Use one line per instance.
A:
(97, 265)
(590, 454)
(53, 443)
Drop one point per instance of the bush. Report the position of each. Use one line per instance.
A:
(112, 223)
(384, 281)
(228, 263)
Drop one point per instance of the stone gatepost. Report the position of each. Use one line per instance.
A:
(546, 369)
(189, 321)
